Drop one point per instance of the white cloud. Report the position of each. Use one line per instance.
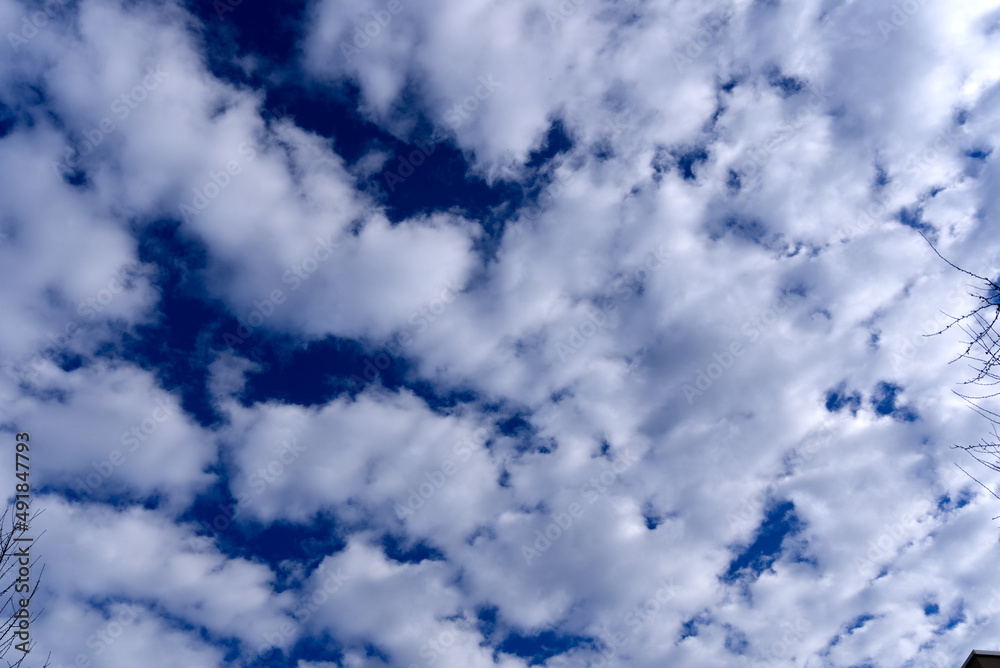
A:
(108, 429)
(142, 559)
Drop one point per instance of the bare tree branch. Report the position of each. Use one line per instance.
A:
(982, 352)
(8, 607)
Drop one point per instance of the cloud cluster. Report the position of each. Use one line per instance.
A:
(664, 398)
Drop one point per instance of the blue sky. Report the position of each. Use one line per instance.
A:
(522, 333)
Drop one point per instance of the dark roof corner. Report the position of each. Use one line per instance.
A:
(982, 659)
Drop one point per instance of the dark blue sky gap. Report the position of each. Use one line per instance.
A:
(852, 626)
(441, 183)
(837, 399)
(885, 401)
(689, 629)
(779, 523)
(542, 646)
(536, 648)
(191, 328)
(397, 550)
(7, 120)
(557, 142)
(786, 85)
(914, 217)
(687, 158)
(736, 640)
(178, 345)
(217, 516)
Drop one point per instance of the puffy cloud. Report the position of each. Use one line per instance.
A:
(148, 574)
(108, 429)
